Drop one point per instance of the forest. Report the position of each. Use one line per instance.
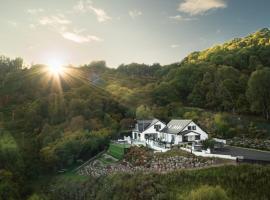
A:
(49, 124)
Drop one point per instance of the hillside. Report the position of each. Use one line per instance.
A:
(231, 78)
(246, 53)
(51, 123)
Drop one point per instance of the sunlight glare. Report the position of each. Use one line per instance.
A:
(55, 67)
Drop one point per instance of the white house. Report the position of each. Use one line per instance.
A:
(175, 132)
(147, 128)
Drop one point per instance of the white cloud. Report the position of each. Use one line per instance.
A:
(59, 24)
(87, 6)
(134, 13)
(196, 7)
(54, 20)
(32, 26)
(78, 38)
(101, 14)
(80, 7)
(35, 11)
(12, 23)
(181, 18)
(174, 46)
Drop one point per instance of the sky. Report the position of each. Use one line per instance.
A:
(123, 31)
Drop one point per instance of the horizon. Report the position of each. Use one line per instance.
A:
(79, 32)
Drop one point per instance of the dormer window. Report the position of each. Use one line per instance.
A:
(157, 127)
(191, 128)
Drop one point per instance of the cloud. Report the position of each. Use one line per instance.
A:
(12, 23)
(35, 11)
(134, 13)
(32, 26)
(59, 24)
(87, 6)
(181, 18)
(78, 38)
(199, 7)
(101, 14)
(218, 31)
(174, 46)
(54, 20)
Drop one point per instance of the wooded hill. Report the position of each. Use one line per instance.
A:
(230, 77)
(45, 127)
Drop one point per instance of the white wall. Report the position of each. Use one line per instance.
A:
(209, 155)
(177, 138)
(152, 130)
(149, 130)
(203, 134)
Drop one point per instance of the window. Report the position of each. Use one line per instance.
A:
(189, 128)
(193, 127)
(197, 137)
(157, 127)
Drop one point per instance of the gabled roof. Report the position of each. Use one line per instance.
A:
(145, 124)
(175, 126)
(187, 132)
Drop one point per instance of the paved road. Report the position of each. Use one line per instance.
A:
(249, 154)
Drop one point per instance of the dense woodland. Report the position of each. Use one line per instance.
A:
(48, 123)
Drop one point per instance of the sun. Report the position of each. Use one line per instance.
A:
(56, 67)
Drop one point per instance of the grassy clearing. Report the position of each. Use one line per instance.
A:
(117, 150)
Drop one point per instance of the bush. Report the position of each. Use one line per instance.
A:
(209, 143)
(208, 193)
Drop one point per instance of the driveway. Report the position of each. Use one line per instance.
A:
(248, 154)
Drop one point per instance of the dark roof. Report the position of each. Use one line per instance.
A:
(145, 124)
(175, 126)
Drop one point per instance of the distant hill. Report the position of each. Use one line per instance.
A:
(242, 53)
(224, 78)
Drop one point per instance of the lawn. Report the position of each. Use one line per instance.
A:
(117, 150)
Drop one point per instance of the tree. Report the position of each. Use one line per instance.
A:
(221, 125)
(8, 188)
(191, 115)
(258, 92)
(35, 197)
(209, 143)
(143, 112)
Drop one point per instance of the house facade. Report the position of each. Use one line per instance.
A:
(174, 133)
(146, 129)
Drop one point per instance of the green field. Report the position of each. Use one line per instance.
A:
(117, 150)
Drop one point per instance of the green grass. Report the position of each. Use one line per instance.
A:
(117, 150)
